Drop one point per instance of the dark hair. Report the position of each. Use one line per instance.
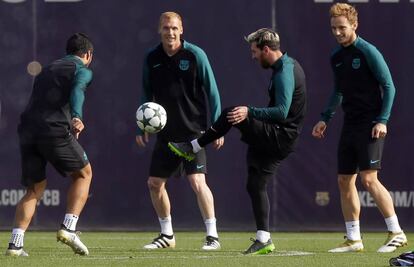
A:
(78, 44)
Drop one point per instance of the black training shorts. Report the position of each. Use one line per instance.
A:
(358, 151)
(64, 153)
(164, 163)
(268, 145)
(261, 166)
(269, 138)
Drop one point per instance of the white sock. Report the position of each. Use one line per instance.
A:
(166, 225)
(352, 230)
(196, 146)
(392, 224)
(211, 228)
(70, 221)
(17, 237)
(262, 236)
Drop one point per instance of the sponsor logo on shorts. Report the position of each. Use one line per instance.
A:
(199, 166)
(85, 157)
(374, 161)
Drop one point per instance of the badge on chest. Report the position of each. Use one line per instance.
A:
(184, 64)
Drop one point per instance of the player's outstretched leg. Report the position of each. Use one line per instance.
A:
(218, 129)
(259, 248)
(184, 150)
(162, 241)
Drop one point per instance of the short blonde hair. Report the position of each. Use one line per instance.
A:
(169, 15)
(346, 10)
(264, 37)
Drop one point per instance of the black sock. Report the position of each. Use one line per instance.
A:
(257, 189)
(217, 130)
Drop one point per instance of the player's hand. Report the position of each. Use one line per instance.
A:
(218, 143)
(237, 115)
(319, 129)
(142, 140)
(379, 130)
(77, 127)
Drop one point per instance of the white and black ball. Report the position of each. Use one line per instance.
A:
(151, 117)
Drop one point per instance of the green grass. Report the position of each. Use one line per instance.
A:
(125, 249)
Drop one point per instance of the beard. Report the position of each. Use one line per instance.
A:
(264, 64)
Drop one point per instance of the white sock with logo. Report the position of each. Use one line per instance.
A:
(166, 225)
(352, 230)
(262, 236)
(17, 237)
(392, 224)
(196, 146)
(70, 221)
(211, 227)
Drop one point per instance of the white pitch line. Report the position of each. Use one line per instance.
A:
(281, 253)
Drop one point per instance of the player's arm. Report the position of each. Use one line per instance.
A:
(146, 95)
(82, 79)
(208, 80)
(206, 75)
(382, 73)
(142, 138)
(318, 131)
(334, 101)
(284, 85)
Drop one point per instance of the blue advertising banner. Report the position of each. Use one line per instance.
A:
(304, 195)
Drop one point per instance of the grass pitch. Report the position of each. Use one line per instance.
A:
(125, 249)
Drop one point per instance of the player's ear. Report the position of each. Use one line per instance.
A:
(88, 57)
(355, 25)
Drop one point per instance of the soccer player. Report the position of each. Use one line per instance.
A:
(364, 86)
(48, 132)
(270, 132)
(178, 75)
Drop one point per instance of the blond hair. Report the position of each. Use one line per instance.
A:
(264, 37)
(346, 10)
(169, 15)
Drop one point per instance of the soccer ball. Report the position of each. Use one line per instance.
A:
(151, 117)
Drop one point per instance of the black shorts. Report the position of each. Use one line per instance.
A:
(261, 166)
(164, 163)
(64, 153)
(358, 151)
(269, 138)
